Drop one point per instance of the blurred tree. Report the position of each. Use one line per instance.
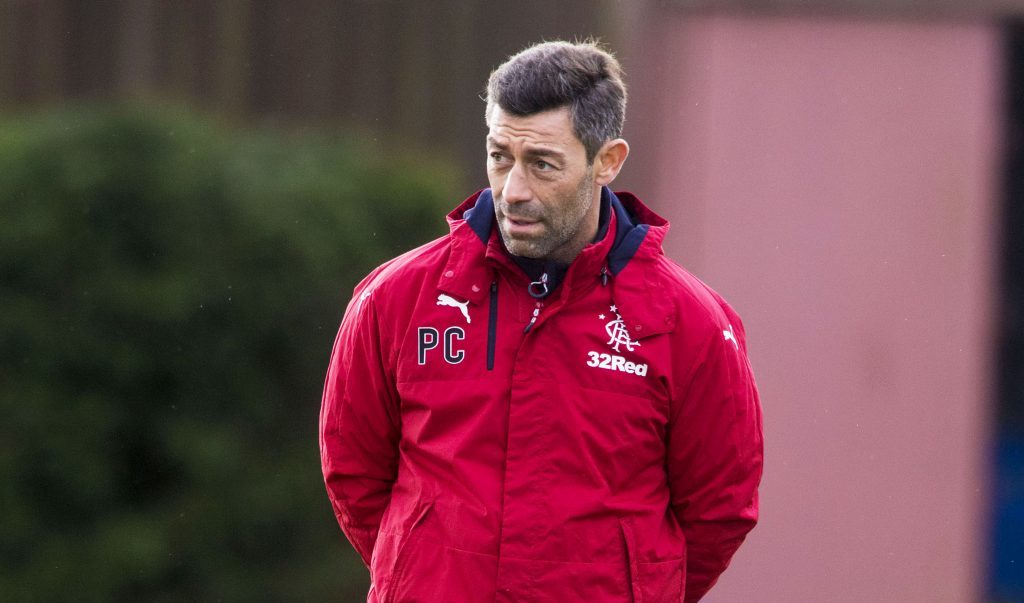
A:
(169, 293)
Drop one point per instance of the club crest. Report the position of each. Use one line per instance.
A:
(618, 335)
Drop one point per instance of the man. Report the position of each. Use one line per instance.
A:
(540, 406)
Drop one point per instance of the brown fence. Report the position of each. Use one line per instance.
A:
(408, 71)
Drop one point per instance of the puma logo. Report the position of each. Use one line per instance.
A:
(729, 335)
(447, 300)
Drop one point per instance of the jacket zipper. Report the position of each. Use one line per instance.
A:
(533, 317)
(492, 326)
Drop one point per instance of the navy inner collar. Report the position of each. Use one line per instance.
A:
(628, 234)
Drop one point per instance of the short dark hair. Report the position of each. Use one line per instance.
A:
(581, 76)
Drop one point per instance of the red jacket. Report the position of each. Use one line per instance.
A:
(609, 451)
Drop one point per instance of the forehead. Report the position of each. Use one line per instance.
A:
(551, 128)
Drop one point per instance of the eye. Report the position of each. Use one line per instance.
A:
(544, 165)
(495, 156)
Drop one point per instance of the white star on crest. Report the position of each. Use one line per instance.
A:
(600, 316)
(614, 309)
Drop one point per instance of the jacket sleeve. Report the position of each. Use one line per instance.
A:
(360, 425)
(715, 455)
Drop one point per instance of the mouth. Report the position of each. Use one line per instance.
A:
(522, 227)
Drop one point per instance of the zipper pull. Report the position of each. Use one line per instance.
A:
(604, 276)
(539, 289)
(533, 319)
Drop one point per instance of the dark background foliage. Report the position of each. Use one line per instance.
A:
(169, 292)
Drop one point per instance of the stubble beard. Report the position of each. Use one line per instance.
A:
(556, 234)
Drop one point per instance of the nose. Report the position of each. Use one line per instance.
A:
(517, 187)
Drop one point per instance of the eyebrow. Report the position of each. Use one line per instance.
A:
(493, 142)
(545, 152)
(531, 151)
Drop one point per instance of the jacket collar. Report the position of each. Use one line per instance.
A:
(628, 252)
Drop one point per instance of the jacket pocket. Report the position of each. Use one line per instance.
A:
(405, 548)
(632, 564)
(654, 580)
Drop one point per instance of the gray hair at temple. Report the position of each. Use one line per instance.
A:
(581, 76)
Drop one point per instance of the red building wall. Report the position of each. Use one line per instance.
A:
(835, 179)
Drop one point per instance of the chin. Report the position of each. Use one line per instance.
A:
(523, 249)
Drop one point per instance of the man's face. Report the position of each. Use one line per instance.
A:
(543, 187)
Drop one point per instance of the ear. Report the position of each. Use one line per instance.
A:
(609, 160)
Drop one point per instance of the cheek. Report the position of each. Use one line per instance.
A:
(496, 180)
(566, 203)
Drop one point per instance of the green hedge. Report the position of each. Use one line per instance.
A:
(169, 292)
